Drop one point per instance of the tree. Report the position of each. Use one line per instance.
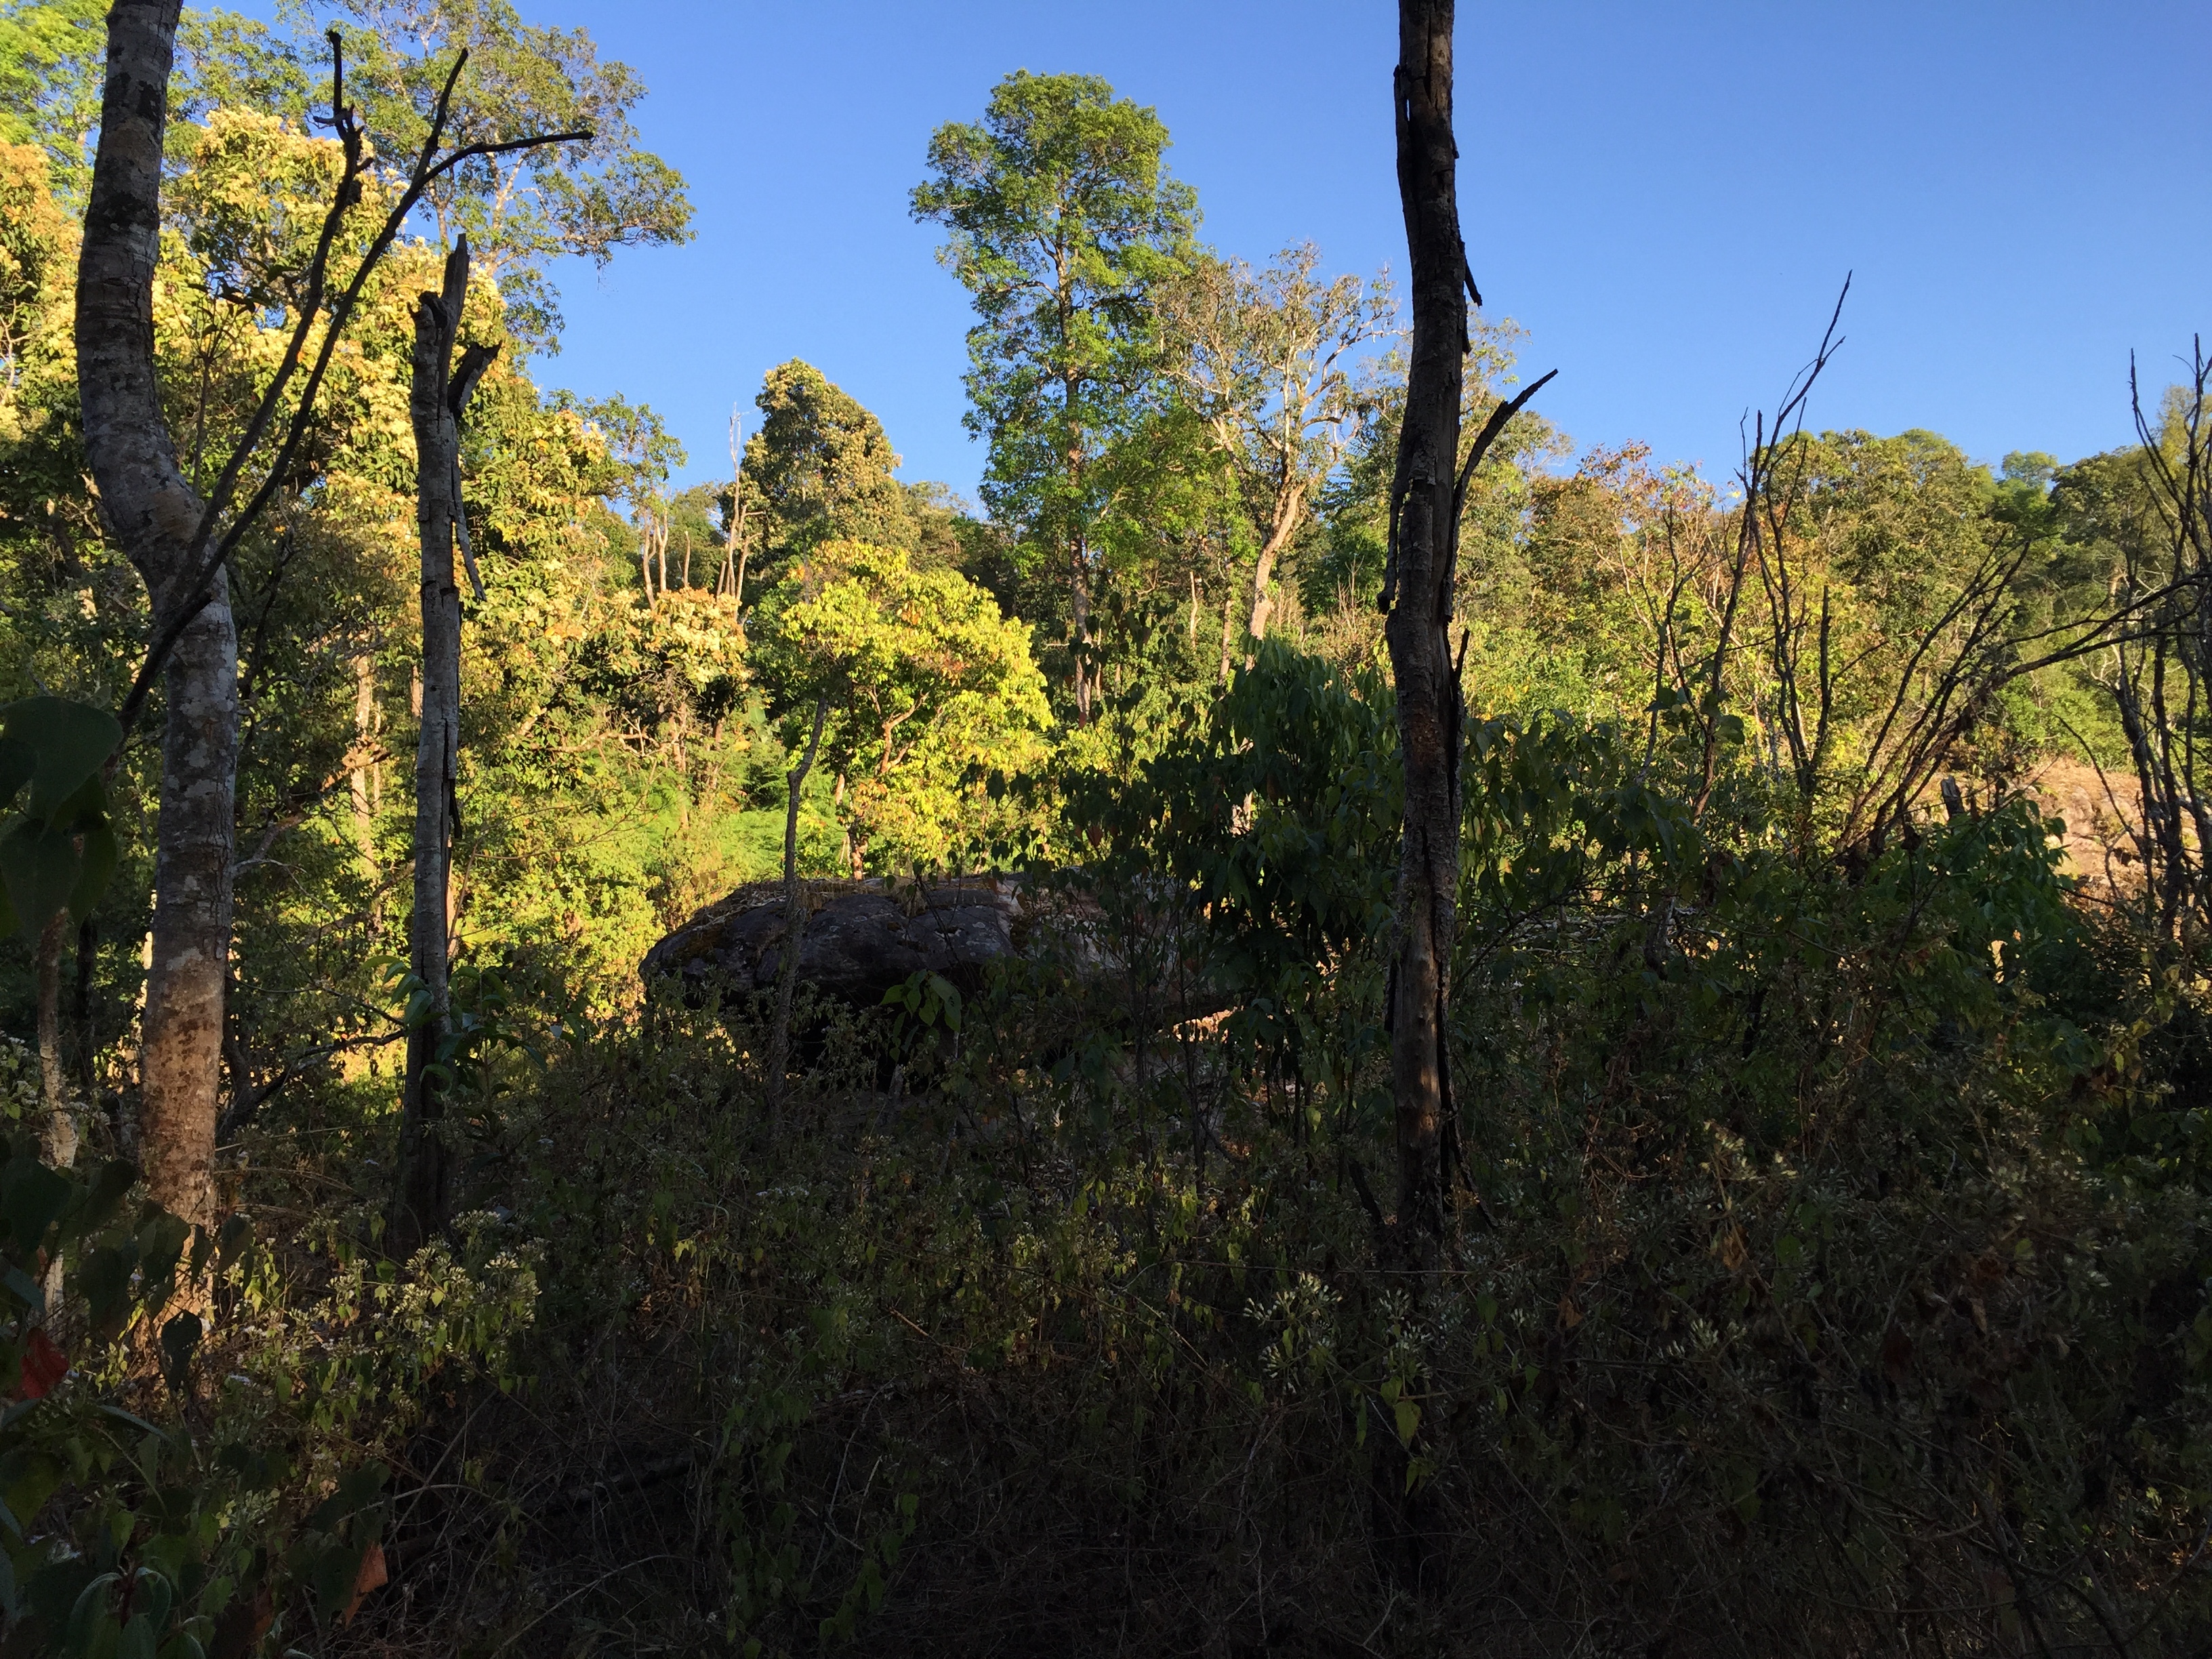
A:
(929, 687)
(822, 468)
(1060, 220)
(180, 538)
(162, 522)
(439, 395)
(1425, 499)
(49, 91)
(520, 209)
(1266, 359)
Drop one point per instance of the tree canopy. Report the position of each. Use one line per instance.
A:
(784, 1061)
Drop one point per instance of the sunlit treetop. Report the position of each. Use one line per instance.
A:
(520, 211)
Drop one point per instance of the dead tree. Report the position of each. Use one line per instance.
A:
(438, 396)
(1426, 494)
(2161, 681)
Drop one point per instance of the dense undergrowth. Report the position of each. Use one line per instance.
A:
(1824, 1267)
(1825, 1272)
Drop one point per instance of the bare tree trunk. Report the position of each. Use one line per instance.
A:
(1078, 633)
(1079, 552)
(154, 515)
(88, 1040)
(1418, 591)
(794, 923)
(364, 811)
(733, 558)
(57, 1139)
(422, 1195)
(1287, 513)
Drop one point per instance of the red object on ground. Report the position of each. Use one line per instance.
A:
(44, 1365)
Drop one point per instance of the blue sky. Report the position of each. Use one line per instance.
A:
(1665, 197)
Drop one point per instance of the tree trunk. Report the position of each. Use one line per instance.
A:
(57, 1139)
(794, 923)
(1079, 552)
(357, 783)
(423, 1196)
(1288, 510)
(88, 1040)
(1078, 632)
(154, 515)
(1419, 592)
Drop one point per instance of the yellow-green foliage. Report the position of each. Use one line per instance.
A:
(932, 688)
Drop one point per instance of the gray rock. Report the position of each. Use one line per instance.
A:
(862, 937)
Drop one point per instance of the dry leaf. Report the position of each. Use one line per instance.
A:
(44, 1365)
(1733, 1251)
(372, 1576)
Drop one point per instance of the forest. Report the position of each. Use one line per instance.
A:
(1326, 1024)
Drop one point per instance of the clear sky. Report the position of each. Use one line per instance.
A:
(1665, 196)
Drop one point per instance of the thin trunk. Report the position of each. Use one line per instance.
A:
(88, 1040)
(154, 513)
(57, 1139)
(1424, 554)
(358, 786)
(1287, 513)
(1078, 643)
(422, 1195)
(733, 558)
(1079, 561)
(794, 923)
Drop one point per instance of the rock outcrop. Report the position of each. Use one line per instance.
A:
(862, 937)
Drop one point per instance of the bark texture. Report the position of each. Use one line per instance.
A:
(154, 515)
(57, 1139)
(1418, 590)
(423, 1197)
(1283, 524)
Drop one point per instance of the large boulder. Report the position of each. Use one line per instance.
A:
(862, 937)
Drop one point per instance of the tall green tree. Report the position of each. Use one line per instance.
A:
(1270, 362)
(929, 687)
(49, 92)
(521, 210)
(822, 467)
(1061, 221)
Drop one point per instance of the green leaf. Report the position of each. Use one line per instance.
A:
(39, 870)
(179, 1338)
(1408, 1417)
(85, 1617)
(109, 1188)
(71, 741)
(18, 760)
(27, 1479)
(95, 870)
(136, 1422)
(33, 1198)
(103, 1278)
